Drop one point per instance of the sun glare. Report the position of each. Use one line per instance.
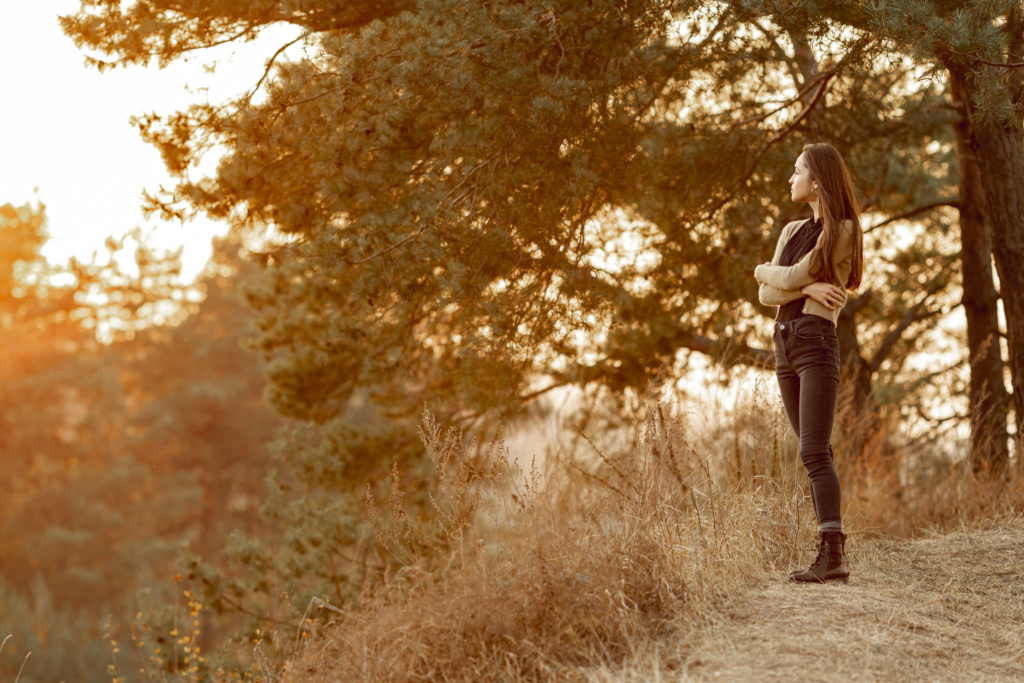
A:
(67, 142)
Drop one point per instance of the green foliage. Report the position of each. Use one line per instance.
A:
(61, 643)
(117, 455)
(487, 201)
(975, 36)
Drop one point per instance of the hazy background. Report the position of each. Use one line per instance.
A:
(66, 141)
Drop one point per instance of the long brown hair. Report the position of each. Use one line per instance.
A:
(837, 201)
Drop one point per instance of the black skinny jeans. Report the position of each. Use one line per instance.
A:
(807, 367)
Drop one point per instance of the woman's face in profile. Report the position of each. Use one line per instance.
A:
(801, 187)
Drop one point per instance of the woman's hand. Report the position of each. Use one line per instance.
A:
(825, 294)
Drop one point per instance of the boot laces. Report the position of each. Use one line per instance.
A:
(822, 551)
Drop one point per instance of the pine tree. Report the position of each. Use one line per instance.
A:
(456, 179)
(980, 45)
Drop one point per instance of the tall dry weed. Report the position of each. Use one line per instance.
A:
(515, 576)
(897, 485)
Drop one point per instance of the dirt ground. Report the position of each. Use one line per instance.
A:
(944, 608)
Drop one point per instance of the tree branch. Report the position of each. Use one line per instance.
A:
(854, 305)
(913, 315)
(979, 60)
(727, 352)
(927, 378)
(932, 435)
(782, 54)
(540, 392)
(938, 420)
(911, 213)
(761, 117)
(824, 80)
(804, 56)
(270, 64)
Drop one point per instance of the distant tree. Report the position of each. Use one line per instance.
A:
(989, 401)
(42, 341)
(983, 50)
(118, 455)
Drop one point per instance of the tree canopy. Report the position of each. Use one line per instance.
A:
(486, 201)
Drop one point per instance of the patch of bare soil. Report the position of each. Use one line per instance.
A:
(944, 608)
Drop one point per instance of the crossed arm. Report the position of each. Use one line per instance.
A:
(778, 290)
(781, 284)
(773, 296)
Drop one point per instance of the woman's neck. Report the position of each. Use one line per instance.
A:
(814, 207)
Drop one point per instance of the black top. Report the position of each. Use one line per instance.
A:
(796, 248)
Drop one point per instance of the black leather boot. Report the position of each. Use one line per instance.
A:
(830, 564)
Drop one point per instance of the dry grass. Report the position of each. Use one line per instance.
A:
(666, 563)
(947, 608)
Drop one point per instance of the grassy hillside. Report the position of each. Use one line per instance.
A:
(669, 562)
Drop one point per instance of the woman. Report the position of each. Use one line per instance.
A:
(815, 261)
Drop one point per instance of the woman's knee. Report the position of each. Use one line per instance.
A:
(816, 459)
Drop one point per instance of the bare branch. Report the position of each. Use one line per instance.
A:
(932, 375)
(761, 117)
(915, 313)
(938, 420)
(724, 351)
(526, 398)
(934, 434)
(854, 305)
(911, 213)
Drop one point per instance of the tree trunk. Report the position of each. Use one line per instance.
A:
(999, 149)
(857, 416)
(987, 393)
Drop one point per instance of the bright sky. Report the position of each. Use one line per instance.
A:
(65, 139)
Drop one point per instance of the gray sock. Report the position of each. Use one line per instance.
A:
(830, 527)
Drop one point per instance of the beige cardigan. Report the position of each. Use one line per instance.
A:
(781, 284)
